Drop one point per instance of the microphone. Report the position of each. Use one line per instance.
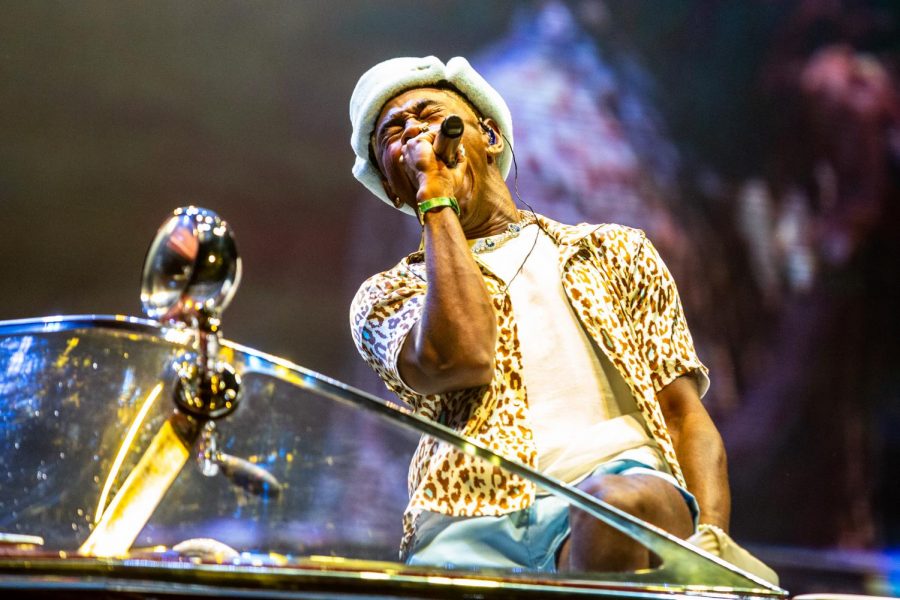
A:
(446, 142)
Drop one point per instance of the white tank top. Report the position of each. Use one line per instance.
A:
(582, 411)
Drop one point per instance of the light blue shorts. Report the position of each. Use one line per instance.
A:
(524, 540)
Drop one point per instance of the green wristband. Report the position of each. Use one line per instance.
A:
(433, 203)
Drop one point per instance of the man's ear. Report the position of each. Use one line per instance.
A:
(493, 137)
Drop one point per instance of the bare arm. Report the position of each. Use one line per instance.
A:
(452, 345)
(699, 448)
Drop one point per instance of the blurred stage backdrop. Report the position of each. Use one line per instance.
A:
(758, 144)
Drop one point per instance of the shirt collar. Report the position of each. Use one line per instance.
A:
(562, 235)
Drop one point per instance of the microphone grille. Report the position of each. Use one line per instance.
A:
(452, 126)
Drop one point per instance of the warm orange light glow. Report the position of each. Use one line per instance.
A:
(123, 449)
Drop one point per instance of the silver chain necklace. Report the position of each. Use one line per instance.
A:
(512, 231)
(493, 242)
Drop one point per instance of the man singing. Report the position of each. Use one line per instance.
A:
(563, 347)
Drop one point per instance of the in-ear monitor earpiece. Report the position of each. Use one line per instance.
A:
(492, 137)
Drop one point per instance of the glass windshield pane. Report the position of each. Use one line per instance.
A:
(305, 469)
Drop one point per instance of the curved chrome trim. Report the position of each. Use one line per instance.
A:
(72, 322)
(685, 566)
(80, 322)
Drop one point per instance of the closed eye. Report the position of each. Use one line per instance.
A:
(388, 133)
(424, 109)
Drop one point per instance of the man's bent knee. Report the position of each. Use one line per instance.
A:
(593, 545)
(646, 497)
(620, 491)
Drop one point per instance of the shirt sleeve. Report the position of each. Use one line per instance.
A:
(659, 322)
(382, 314)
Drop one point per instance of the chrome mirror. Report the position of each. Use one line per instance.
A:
(192, 268)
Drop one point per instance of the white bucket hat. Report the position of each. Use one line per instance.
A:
(392, 77)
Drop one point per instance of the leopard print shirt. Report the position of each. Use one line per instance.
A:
(626, 301)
